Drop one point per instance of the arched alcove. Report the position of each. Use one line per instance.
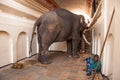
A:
(6, 48)
(109, 55)
(22, 46)
(35, 45)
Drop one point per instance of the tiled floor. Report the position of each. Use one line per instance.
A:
(61, 68)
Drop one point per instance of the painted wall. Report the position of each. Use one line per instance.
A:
(15, 34)
(116, 54)
(5, 50)
(110, 59)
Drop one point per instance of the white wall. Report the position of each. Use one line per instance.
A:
(116, 54)
(15, 32)
(22, 46)
(12, 26)
(5, 50)
(110, 59)
(98, 34)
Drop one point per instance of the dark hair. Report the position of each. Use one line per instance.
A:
(96, 56)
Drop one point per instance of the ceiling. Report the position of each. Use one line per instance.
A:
(83, 6)
(71, 5)
(75, 6)
(43, 6)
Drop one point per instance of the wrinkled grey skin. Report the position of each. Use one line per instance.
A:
(57, 26)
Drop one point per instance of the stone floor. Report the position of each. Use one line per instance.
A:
(61, 68)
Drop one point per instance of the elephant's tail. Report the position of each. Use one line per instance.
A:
(37, 23)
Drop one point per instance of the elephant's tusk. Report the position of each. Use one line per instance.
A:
(89, 43)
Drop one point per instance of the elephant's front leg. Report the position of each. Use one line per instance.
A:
(75, 43)
(69, 47)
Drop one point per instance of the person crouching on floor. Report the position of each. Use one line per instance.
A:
(93, 65)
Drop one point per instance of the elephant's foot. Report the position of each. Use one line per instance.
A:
(75, 56)
(44, 60)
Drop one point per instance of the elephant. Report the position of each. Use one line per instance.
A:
(56, 26)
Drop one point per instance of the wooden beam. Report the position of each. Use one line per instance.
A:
(37, 5)
(55, 5)
(27, 3)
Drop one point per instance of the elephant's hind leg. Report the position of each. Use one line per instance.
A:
(43, 54)
(44, 58)
(46, 41)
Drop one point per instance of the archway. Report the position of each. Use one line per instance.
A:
(6, 48)
(22, 46)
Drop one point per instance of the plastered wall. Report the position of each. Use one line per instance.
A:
(110, 57)
(15, 34)
(116, 54)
